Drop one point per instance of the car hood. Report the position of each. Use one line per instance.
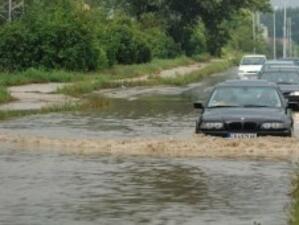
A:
(289, 88)
(245, 114)
(250, 67)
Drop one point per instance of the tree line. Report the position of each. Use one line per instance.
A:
(92, 34)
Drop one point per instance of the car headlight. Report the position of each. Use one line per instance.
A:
(272, 126)
(295, 93)
(212, 125)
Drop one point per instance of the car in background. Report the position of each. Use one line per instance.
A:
(250, 66)
(273, 65)
(294, 60)
(245, 109)
(288, 82)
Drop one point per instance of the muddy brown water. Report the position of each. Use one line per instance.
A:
(49, 185)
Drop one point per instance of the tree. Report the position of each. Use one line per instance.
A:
(181, 15)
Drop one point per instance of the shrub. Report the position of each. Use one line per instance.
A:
(162, 45)
(54, 39)
(128, 47)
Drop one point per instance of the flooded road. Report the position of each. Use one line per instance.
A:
(152, 112)
(53, 186)
(40, 187)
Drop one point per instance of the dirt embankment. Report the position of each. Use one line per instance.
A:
(197, 146)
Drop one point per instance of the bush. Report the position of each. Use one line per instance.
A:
(127, 45)
(60, 40)
(162, 45)
(196, 43)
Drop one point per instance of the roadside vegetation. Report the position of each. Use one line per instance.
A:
(92, 103)
(102, 82)
(4, 95)
(96, 44)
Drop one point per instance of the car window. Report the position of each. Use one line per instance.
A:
(245, 97)
(253, 61)
(281, 77)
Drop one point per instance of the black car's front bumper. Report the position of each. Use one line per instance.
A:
(260, 133)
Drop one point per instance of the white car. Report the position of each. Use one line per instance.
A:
(250, 66)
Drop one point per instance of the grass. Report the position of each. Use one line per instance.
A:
(84, 87)
(83, 83)
(214, 67)
(156, 66)
(91, 103)
(4, 95)
(86, 82)
(117, 72)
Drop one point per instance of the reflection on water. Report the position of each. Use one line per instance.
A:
(51, 188)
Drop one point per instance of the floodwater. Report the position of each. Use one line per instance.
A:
(159, 112)
(40, 187)
(51, 186)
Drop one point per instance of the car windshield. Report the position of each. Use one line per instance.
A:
(253, 61)
(282, 77)
(245, 97)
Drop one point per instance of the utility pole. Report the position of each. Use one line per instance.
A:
(285, 30)
(9, 10)
(254, 32)
(290, 38)
(274, 34)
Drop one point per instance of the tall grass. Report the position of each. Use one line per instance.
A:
(88, 86)
(155, 66)
(91, 103)
(117, 72)
(38, 76)
(4, 95)
(86, 82)
(215, 67)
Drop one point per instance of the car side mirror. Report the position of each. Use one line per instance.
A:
(198, 105)
(293, 105)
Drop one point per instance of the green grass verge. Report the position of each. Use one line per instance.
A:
(90, 103)
(4, 95)
(156, 66)
(84, 87)
(117, 72)
(87, 82)
(215, 67)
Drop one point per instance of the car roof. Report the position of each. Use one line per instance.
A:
(293, 69)
(289, 59)
(279, 62)
(247, 83)
(247, 56)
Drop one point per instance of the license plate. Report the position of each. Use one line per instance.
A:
(242, 136)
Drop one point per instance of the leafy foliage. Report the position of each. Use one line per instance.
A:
(91, 34)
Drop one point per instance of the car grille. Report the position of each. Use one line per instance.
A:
(242, 126)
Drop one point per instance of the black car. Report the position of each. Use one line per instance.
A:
(245, 109)
(272, 65)
(288, 82)
(295, 60)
